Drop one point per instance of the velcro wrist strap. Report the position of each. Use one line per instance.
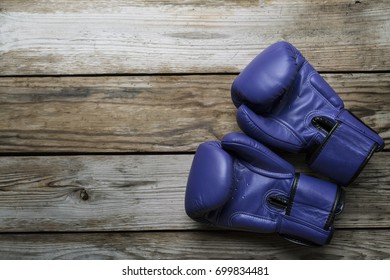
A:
(343, 154)
(310, 211)
(302, 233)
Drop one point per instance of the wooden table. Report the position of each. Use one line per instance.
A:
(103, 103)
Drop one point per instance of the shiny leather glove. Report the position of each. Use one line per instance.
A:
(240, 184)
(283, 102)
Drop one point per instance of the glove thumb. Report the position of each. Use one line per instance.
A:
(257, 155)
(268, 130)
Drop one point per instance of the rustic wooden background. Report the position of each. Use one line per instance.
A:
(103, 103)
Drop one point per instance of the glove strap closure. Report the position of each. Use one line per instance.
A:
(312, 206)
(298, 232)
(343, 154)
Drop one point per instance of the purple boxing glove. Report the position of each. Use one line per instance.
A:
(283, 102)
(240, 184)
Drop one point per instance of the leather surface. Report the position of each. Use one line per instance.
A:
(283, 102)
(231, 183)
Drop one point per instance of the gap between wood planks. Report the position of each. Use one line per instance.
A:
(177, 74)
(133, 114)
(346, 244)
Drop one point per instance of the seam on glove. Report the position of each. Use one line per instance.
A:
(270, 136)
(296, 136)
(355, 127)
(250, 215)
(307, 224)
(292, 193)
(264, 153)
(305, 205)
(364, 163)
(316, 153)
(332, 212)
(263, 172)
(296, 55)
(317, 92)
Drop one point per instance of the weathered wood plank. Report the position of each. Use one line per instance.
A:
(346, 244)
(139, 192)
(97, 37)
(147, 113)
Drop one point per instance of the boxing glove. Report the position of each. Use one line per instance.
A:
(283, 102)
(240, 184)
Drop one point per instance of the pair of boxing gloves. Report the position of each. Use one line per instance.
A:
(241, 184)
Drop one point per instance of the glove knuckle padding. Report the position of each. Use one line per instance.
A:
(210, 180)
(262, 87)
(243, 185)
(283, 102)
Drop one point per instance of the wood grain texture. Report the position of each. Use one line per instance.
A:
(140, 192)
(147, 113)
(99, 37)
(346, 244)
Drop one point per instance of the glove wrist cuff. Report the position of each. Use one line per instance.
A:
(306, 221)
(343, 153)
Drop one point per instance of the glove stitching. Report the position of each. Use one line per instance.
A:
(292, 193)
(317, 135)
(307, 224)
(250, 215)
(231, 187)
(302, 141)
(332, 212)
(315, 155)
(316, 91)
(355, 128)
(266, 173)
(276, 139)
(350, 124)
(296, 55)
(264, 152)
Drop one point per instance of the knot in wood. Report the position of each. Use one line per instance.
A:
(84, 195)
